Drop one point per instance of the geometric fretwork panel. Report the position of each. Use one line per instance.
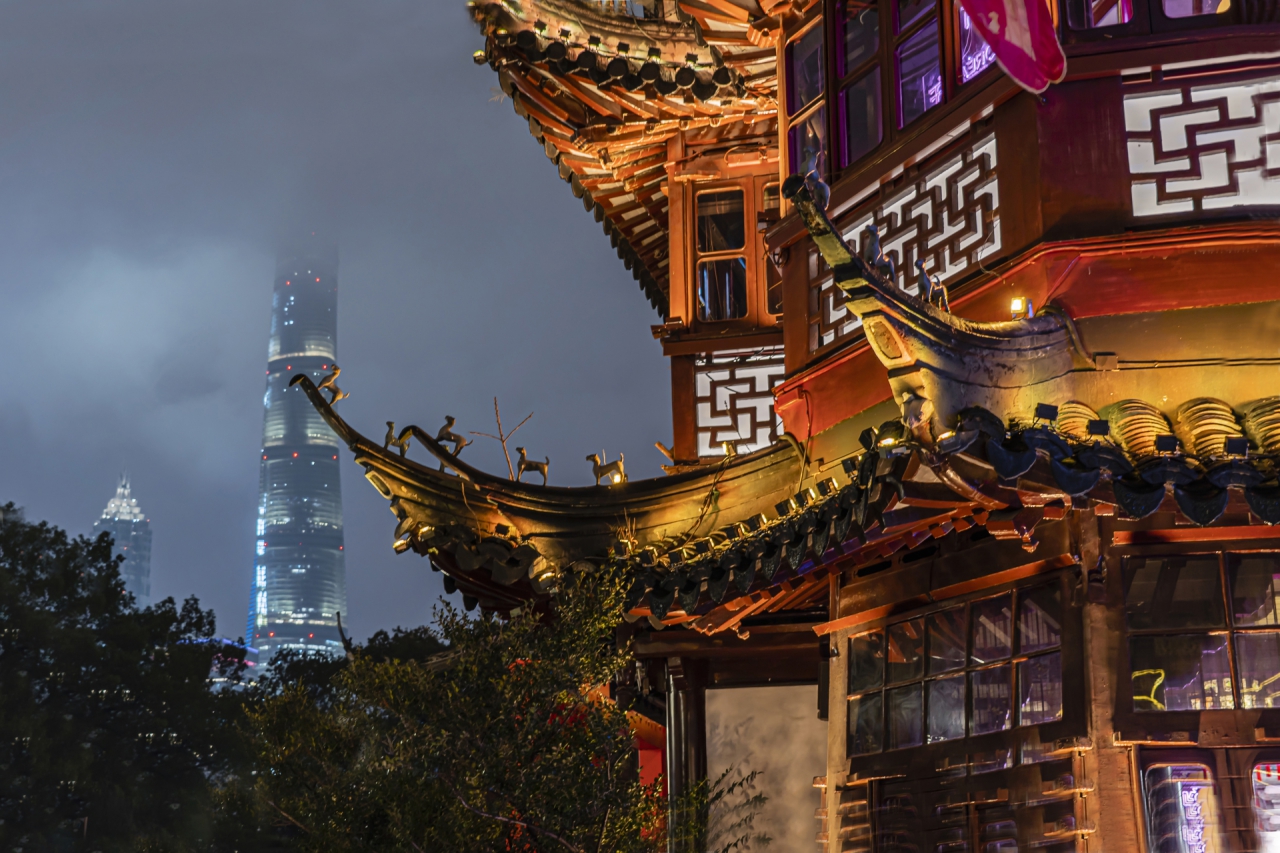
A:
(830, 319)
(1200, 148)
(949, 215)
(733, 395)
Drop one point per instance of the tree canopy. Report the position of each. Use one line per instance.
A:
(110, 732)
(499, 743)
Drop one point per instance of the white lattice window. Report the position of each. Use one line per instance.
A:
(1204, 148)
(949, 216)
(734, 400)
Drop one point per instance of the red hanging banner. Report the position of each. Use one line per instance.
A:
(1021, 35)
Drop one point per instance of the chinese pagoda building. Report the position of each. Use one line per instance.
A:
(995, 478)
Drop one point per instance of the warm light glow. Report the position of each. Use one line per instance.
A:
(888, 442)
(617, 478)
(1018, 305)
(946, 435)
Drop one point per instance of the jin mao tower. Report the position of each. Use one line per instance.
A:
(131, 530)
(299, 583)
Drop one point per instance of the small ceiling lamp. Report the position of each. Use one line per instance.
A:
(1020, 308)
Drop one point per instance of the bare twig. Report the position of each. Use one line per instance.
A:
(503, 437)
(536, 829)
(289, 817)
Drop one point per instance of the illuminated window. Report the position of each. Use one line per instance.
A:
(805, 78)
(720, 283)
(919, 62)
(1184, 626)
(1093, 14)
(1183, 815)
(976, 55)
(970, 670)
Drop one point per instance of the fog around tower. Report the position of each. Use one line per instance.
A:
(154, 157)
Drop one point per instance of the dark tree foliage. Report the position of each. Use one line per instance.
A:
(111, 735)
(497, 744)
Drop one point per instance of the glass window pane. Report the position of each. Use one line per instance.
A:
(1174, 592)
(865, 724)
(992, 624)
(1039, 618)
(866, 662)
(1182, 809)
(976, 55)
(1266, 805)
(721, 226)
(1258, 662)
(919, 74)
(1180, 673)
(804, 70)
(903, 720)
(1191, 8)
(1089, 14)
(1040, 690)
(861, 30)
(861, 124)
(946, 708)
(806, 137)
(992, 693)
(1254, 588)
(722, 289)
(946, 640)
(909, 11)
(906, 651)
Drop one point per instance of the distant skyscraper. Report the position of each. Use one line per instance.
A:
(299, 580)
(131, 530)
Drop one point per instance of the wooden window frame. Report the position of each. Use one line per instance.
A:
(753, 249)
(1229, 630)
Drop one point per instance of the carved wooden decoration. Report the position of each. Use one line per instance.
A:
(948, 216)
(734, 396)
(1204, 148)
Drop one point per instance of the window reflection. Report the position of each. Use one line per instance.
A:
(1039, 619)
(1174, 592)
(864, 724)
(1191, 8)
(946, 640)
(720, 221)
(1040, 690)
(910, 11)
(1266, 800)
(805, 80)
(860, 122)
(1258, 662)
(992, 694)
(1180, 673)
(992, 625)
(976, 55)
(904, 717)
(906, 651)
(866, 662)
(919, 74)
(860, 28)
(722, 289)
(808, 137)
(1090, 14)
(946, 708)
(1254, 590)
(1182, 809)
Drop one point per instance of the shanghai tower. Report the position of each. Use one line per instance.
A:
(299, 583)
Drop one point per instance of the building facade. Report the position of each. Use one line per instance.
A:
(1015, 538)
(131, 530)
(299, 583)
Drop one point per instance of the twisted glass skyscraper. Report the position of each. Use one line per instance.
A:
(299, 580)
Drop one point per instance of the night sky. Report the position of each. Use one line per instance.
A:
(150, 154)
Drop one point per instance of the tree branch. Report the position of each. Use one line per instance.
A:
(289, 818)
(536, 829)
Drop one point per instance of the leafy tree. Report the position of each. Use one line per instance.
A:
(110, 732)
(496, 744)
